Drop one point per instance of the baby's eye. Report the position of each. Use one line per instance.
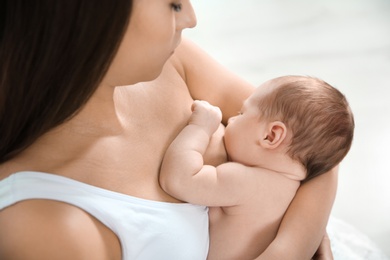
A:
(239, 113)
(176, 7)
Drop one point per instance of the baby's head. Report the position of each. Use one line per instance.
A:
(316, 114)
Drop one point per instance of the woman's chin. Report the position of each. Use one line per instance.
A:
(152, 74)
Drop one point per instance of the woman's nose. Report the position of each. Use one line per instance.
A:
(187, 17)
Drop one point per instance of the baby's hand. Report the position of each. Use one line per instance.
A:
(206, 116)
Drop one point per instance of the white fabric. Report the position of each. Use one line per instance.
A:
(157, 230)
(348, 243)
(146, 229)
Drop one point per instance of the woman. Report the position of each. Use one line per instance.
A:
(80, 157)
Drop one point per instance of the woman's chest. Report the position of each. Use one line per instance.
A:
(129, 163)
(153, 114)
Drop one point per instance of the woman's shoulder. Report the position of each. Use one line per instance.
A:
(44, 229)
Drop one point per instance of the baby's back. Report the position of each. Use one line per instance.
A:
(245, 231)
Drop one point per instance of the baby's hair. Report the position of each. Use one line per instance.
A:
(319, 118)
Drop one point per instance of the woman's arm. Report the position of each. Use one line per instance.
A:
(304, 224)
(324, 252)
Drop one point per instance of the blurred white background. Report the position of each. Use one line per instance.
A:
(344, 42)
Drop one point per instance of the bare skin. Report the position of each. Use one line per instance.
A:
(121, 150)
(247, 200)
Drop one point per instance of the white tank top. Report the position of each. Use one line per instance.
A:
(146, 229)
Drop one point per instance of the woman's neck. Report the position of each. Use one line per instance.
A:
(98, 116)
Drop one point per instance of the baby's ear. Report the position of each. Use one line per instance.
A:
(274, 135)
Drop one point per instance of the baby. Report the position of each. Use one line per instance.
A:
(291, 129)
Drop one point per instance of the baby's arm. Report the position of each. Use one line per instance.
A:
(183, 174)
(184, 157)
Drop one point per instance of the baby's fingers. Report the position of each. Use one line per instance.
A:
(206, 115)
(205, 107)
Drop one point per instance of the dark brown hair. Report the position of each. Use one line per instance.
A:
(319, 117)
(53, 55)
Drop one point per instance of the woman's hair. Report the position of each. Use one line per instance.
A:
(53, 55)
(319, 117)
